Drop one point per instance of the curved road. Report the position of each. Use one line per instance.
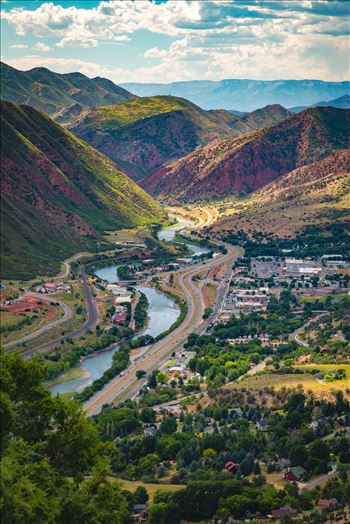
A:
(91, 322)
(294, 337)
(92, 317)
(127, 386)
(67, 313)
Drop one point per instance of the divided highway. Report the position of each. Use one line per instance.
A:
(127, 386)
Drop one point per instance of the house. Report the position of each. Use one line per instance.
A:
(283, 463)
(262, 424)
(54, 287)
(149, 431)
(326, 504)
(231, 467)
(139, 512)
(120, 320)
(284, 511)
(294, 474)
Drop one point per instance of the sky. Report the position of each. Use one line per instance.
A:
(173, 40)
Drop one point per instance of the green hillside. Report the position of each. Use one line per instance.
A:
(144, 134)
(58, 194)
(51, 92)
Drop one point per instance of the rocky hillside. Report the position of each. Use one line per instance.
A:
(265, 117)
(316, 194)
(58, 194)
(51, 92)
(244, 164)
(147, 133)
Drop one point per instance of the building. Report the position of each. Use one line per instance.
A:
(327, 505)
(262, 425)
(120, 320)
(54, 287)
(294, 474)
(231, 467)
(284, 511)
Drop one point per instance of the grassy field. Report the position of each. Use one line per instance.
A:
(71, 374)
(209, 294)
(306, 380)
(40, 318)
(131, 485)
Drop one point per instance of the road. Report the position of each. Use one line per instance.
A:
(67, 313)
(316, 482)
(294, 337)
(90, 324)
(127, 386)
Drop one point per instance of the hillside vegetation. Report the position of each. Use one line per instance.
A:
(318, 193)
(51, 92)
(241, 165)
(58, 195)
(146, 133)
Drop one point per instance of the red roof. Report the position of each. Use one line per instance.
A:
(231, 466)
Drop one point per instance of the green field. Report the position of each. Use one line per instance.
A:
(131, 485)
(306, 380)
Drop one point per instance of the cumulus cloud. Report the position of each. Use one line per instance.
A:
(210, 39)
(122, 38)
(40, 46)
(155, 52)
(77, 41)
(18, 46)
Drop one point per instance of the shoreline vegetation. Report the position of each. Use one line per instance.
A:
(121, 356)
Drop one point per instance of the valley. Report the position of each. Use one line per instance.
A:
(174, 300)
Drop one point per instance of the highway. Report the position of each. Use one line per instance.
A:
(126, 386)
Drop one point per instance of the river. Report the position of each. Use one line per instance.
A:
(169, 235)
(162, 313)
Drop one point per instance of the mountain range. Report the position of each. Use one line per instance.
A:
(58, 195)
(245, 95)
(148, 133)
(240, 165)
(343, 102)
(51, 92)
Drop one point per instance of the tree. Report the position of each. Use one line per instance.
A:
(140, 373)
(157, 513)
(319, 449)
(140, 495)
(168, 425)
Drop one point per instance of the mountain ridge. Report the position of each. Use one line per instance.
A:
(58, 194)
(51, 92)
(245, 94)
(242, 165)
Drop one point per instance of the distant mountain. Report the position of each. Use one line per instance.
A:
(264, 117)
(245, 95)
(147, 133)
(316, 194)
(51, 92)
(243, 164)
(58, 195)
(343, 102)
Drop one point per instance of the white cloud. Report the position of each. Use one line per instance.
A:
(122, 38)
(155, 53)
(214, 39)
(40, 46)
(77, 41)
(19, 46)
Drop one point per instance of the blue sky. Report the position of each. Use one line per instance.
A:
(164, 41)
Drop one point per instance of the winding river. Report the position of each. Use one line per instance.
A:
(162, 313)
